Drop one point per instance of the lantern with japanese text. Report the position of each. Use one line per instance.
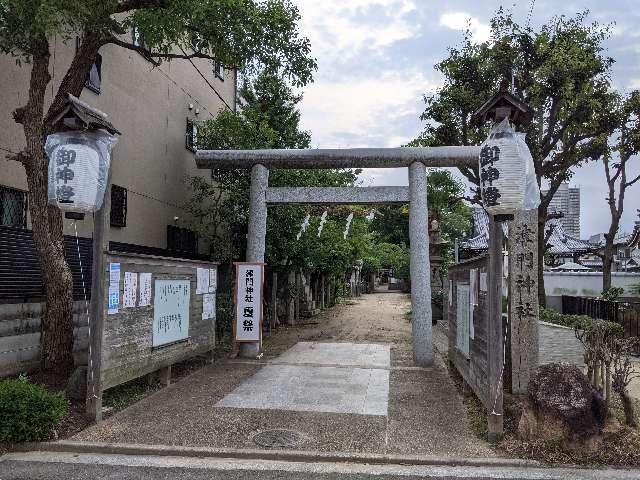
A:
(79, 157)
(507, 177)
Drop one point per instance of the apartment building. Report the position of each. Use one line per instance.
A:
(567, 201)
(157, 108)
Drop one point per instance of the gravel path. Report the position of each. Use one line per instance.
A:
(425, 411)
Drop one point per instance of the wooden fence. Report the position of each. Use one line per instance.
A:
(626, 314)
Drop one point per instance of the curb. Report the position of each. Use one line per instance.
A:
(68, 446)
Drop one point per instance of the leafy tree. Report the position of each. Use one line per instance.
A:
(445, 197)
(268, 118)
(242, 34)
(560, 70)
(616, 163)
(276, 103)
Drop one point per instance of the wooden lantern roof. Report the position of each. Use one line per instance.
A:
(502, 105)
(78, 115)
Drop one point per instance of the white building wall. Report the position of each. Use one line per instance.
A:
(586, 284)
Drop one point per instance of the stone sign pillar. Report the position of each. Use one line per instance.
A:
(419, 265)
(257, 233)
(523, 297)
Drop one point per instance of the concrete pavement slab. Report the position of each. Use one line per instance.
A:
(317, 388)
(365, 355)
(425, 415)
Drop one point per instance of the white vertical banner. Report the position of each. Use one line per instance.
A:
(249, 286)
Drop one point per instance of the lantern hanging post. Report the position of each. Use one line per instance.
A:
(79, 153)
(508, 185)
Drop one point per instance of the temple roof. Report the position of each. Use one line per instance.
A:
(560, 242)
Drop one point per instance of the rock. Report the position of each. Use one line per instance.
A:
(562, 406)
(77, 384)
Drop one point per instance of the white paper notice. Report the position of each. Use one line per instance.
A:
(483, 281)
(130, 290)
(202, 280)
(213, 280)
(114, 298)
(114, 273)
(145, 290)
(208, 306)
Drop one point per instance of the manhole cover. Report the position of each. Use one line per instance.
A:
(278, 438)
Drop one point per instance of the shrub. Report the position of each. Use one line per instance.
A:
(612, 294)
(574, 321)
(28, 412)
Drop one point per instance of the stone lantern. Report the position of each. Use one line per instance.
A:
(436, 259)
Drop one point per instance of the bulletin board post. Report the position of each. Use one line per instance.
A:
(249, 305)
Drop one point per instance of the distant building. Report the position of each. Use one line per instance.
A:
(626, 253)
(567, 201)
(561, 247)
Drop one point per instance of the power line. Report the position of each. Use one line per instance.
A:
(207, 80)
(146, 195)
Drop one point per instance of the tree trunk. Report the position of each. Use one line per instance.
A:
(607, 257)
(542, 218)
(629, 411)
(56, 341)
(607, 260)
(56, 344)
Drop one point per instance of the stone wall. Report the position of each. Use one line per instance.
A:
(20, 336)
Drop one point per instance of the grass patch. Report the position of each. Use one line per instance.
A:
(120, 397)
(476, 415)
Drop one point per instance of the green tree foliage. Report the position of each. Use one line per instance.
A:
(249, 35)
(276, 103)
(268, 118)
(560, 70)
(445, 197)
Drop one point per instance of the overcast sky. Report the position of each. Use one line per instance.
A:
(376, 58)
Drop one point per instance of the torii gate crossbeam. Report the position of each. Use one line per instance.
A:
(416, 159)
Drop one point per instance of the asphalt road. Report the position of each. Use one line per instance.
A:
(73, 466)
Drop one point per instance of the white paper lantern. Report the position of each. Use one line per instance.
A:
(78, 169)
(507, 176)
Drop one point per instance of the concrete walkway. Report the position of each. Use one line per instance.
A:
(345, 383)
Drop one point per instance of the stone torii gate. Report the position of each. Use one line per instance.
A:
(415, 159)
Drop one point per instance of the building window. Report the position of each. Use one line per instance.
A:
(94, 80)
(192, 135)
(13, 207)
(118, 206)
(218, 69)
(137, 39)
(181, 241)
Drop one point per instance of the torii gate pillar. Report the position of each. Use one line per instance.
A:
(419, 265)
(256, 234)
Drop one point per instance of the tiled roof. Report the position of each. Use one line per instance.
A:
(561, 243)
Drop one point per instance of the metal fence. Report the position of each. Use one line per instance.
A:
(626, 314)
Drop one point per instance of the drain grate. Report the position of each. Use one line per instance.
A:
(279, 438)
